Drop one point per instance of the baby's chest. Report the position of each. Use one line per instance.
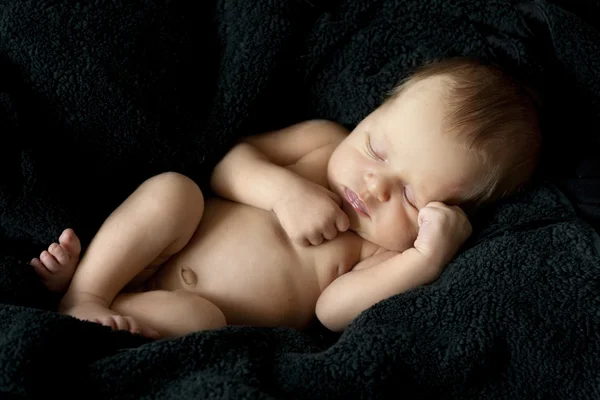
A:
(242, 237)
(333, 258)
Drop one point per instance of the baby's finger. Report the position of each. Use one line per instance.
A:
(301, 241)
(330, 232)
(49, 261)
(444, 207)
(335, 197)
(342, 222)
(437, 204)
(426, 214)
(315, 239)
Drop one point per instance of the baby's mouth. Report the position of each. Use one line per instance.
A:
(356, 202)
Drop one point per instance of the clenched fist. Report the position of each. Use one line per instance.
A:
(442, 231)
(310, 213)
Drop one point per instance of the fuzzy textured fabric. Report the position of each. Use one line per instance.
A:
(96, 96)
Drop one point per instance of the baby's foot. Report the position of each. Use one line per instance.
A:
(94, 312)
(126, 323)
(56, 266)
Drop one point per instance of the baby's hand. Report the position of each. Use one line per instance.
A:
(442, 231)
(309, 214)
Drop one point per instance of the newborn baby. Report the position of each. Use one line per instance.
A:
(310, 220)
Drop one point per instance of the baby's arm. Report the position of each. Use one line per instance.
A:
(285, 172)
(253, 172)
(442, 231)
(359, 289)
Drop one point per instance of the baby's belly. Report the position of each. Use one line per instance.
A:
(241, 259)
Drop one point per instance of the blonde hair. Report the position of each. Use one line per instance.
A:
(495, 115)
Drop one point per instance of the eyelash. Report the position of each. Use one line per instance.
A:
(370, 150)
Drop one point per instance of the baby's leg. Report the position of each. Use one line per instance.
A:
(153, 223)
(171, 314)
(56, 267)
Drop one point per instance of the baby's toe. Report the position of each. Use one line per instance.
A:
(40, 269)
(122, 323)
(61, 255)
(49, 261)
(70, 242)
(107, 321)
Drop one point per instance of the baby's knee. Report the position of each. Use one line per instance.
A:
(172, 192)
(176, 183)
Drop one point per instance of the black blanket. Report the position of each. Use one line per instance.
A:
(96, 96)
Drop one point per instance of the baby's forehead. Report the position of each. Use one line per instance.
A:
(425, 99)
(428, 85)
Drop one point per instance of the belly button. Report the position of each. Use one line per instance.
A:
(189, 276)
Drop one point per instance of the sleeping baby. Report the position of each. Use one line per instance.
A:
(310, 220)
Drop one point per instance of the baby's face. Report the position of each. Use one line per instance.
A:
(396, 161)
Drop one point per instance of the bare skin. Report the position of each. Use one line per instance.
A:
(56, 266)
(310, 221)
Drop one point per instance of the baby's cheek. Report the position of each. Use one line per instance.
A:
(400, 236)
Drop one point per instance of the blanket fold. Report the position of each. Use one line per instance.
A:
(96, 96)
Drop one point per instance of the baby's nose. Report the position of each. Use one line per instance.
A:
(378, 186)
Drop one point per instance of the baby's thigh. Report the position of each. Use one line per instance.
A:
(138, 283)
(172, 314)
